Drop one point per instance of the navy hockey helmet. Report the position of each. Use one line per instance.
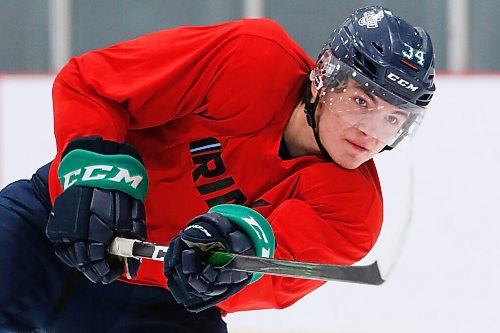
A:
(384, 54)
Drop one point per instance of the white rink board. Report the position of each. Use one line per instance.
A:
(446, 279)
(26, 139)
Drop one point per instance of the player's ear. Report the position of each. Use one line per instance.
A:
(314, 92)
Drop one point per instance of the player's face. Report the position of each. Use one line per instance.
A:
(354, 125)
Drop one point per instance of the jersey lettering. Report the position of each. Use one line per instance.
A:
(206, 156)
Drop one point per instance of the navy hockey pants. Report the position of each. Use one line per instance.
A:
(38, 293)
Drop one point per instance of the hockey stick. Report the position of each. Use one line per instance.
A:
(368, 274)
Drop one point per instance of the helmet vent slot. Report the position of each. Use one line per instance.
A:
(358, 56)
(371, 67)
(425, 98)
(364, 64)
(378, 47)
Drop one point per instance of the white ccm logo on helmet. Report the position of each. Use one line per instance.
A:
(401, 82)
(370, 19)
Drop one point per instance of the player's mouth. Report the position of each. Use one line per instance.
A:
(356, 146)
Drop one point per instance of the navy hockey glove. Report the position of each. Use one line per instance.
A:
(104, 185)
(197, 284)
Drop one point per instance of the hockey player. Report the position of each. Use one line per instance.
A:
(153, 132)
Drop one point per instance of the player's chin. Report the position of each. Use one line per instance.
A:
(349, 159)
(349, 164)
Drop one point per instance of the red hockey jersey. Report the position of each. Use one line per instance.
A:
(206, 108)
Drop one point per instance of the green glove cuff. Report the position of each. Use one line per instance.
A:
(111, 172)
(255, 227)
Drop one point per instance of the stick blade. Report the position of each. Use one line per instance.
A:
(369, 274)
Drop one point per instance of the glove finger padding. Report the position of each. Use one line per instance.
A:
(84, 221)
(191, 280)
(177, 280)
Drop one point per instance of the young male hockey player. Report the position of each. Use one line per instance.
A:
(153, 132)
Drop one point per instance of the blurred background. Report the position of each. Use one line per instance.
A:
(445, 182)
(40, 35)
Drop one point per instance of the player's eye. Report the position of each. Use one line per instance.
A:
(360, 101)
(391, 119)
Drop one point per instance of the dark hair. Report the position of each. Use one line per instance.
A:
(305, 90)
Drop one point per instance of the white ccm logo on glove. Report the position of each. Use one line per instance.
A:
(107, 173)
(260, 233)
(199, 227)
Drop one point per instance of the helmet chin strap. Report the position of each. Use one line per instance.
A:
(309, 110)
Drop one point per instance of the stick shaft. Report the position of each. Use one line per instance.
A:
(369, 274)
